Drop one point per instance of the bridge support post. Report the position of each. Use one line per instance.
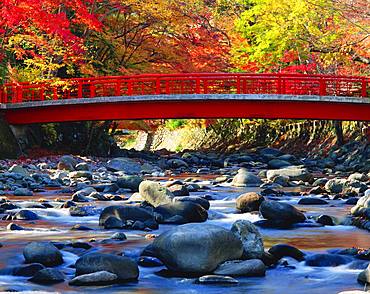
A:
(9, 146)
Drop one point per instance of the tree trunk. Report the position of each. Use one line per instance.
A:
(339, 132)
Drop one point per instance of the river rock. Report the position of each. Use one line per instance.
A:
(154, 193)
(195, 199)
(113, 223)
(22, 192)
(362, 208)
(294, 173)
(15, 168)
(358, 177)
(246, 179)
(27, 270)
(334, 185)
(196, 248)
(25, 214)
(125, 268)
(250, 237)
(321, 260)
(179, 190)
(48, 276)
(82, 211)
(14, 227)
(42, 252)
(216, 279)
(127, 213)
(278, 163)
(181, 213)
(364, 276)
(248, 202)
(129, 182)
(312, 201)
(281, 212)
(67, 162)
(94, 279)
(325, 220)
(284, 250)
(245, 268)
(126, 165)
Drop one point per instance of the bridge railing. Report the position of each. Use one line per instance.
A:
(188, 83)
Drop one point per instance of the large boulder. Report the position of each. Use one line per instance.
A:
(126, 165)
(196, 248)
(154, 193)
(248, 202)
(125, 268)
(281, 212)
(42, 252)
(250, 237)
(181, 213)
(126, 213)
(246, 179)
(294, 173)
(245, 268)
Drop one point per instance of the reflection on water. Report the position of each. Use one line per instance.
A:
(56, 224)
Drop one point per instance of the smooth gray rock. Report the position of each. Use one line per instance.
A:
(126, 165)
(282, 250)
(25, 214)
(125, 268)
(42, 252)
(189, 212)
(245, 268)
(48, 276)
(22, 192)
(195, 199)
(294, 173)
(246, 179)
(281, 212)
(196, 248)
(125, 213)
(129, 182)
(94, 279)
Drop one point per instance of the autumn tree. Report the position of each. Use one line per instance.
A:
(328, 36)
(157, 36)
(42, 37)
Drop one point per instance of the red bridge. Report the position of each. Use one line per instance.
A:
(189, 95)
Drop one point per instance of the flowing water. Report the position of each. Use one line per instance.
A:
(55, 225)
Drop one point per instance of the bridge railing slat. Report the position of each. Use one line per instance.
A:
(189, 83)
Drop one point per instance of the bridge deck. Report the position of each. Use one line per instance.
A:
(190, 95)
(190, 106)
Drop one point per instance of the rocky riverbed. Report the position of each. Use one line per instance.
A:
(259, 221)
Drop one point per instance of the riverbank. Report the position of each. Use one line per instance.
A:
(306, 203)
